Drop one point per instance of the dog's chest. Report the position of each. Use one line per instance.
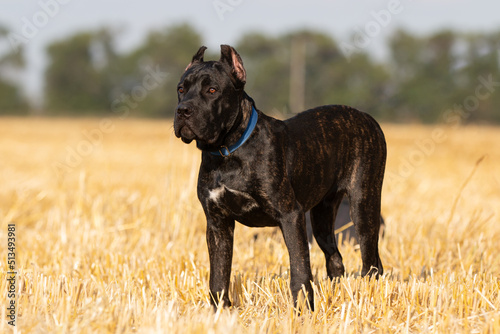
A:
(231, 201)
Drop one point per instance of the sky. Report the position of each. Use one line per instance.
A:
(37, 23)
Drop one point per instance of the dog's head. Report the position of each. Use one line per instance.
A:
(209, 95)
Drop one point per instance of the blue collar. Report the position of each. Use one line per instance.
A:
(225, 151)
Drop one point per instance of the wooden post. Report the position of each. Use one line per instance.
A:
(297, 74)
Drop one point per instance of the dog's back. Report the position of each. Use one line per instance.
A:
(334, 135)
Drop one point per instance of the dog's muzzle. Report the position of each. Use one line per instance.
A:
(182, 128)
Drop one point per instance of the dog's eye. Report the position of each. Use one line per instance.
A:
(180, 90)
(212, 90)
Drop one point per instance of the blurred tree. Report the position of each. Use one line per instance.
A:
(86, 76)
(334, 79)
(423, 78)
(322, 64)
(266, 60)
(407, 59)
(328, 77)
(154, 69)
(77, 78)
(12, 100)
(482, 64)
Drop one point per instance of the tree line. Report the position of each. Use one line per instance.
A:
(446, 76)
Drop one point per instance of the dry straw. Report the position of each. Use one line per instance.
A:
(117, 243)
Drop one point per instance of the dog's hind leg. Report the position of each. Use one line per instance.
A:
(323, 225)
(365, 212)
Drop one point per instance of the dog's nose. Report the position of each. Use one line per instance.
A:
(183, 111)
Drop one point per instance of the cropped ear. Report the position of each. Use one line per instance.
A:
(232, 58)
(197, 58)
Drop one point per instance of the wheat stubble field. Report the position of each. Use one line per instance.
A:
(110, 238)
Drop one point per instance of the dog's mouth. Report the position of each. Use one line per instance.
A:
(185, 134)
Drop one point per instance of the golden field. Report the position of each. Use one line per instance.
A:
(110, 237)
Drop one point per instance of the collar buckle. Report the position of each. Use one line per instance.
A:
(223, 149)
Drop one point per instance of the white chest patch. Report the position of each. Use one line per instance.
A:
(239, 202)
(215, 194)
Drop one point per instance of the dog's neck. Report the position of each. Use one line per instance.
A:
(238, 127)
(241, 122)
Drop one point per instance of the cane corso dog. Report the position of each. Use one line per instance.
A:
(261, 171)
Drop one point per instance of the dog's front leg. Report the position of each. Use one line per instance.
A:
(220, 235)
(295, 235)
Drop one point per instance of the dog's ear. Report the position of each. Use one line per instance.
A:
(197, 58)
(232, 58)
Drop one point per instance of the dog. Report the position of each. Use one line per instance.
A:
(261, 171)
